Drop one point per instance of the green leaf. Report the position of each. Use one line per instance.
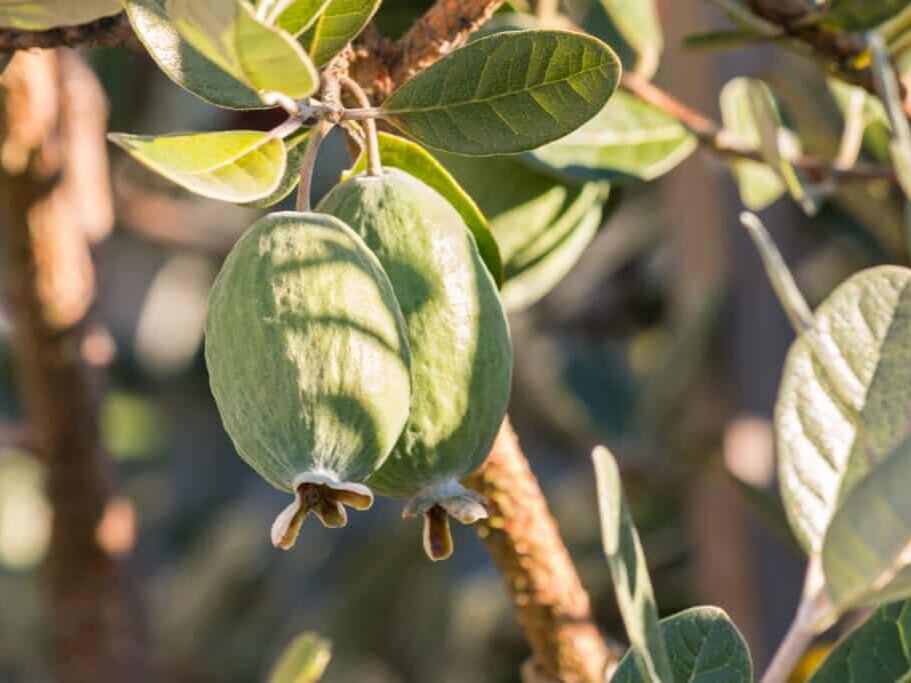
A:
(632, 584)
(842, 405)
(415, 160)
(759, 184)
(875, 651)
(340, 23)
(507, 93)
(292, 16)
(304, 661)
(295, 149)
(704, 646)
(725, 40)
(862, 15)
(628, 138)
(233, 166)
(638, 24)
(182, 63)
(41, 15)
(866, 553)
(266, 59)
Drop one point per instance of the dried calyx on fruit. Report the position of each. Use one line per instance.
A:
(461, 356)
(309, 363)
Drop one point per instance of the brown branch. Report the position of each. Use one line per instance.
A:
(523, 538)
(49, 280)
(709, 135)
(105, 32)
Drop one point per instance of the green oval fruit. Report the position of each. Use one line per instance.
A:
(309, 363)
(461, 357)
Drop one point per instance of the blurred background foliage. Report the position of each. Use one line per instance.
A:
(664, 341)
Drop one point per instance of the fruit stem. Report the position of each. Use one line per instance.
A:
(374, 165)
(317, 135)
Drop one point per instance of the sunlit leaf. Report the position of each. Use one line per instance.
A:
(759, 184)
(632, 584)
(233, 166)
(842, 406)
(704, 647)
(303, 661)
(181, 62)
(266, 59)
(507, 93)
(339, 24)
(628, 137)
(631, 27)
(875, 651)
(293, 16)
(295, 148)
(41, 15)
(414, 160)
(866, 552)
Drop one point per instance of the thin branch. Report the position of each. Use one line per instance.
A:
(105, 32)
(711, 139)
(98, 633)
(522, 536)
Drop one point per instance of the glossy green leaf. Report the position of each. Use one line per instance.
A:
(759, 184)
(266, 59)
(862, 15)
(233, 166)
(507, 93)
(295, 149)
(339, 24)
(704, 646)
(183, 63)
(632, 584)
(875, 651)
(304, 660)
(867, 549)
(292, 16)
(41, 15)
(416, 161)
(842, 405)
(628, 138)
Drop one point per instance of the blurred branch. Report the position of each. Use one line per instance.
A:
(711, 138)
(522, 536)
(105, 32)
(49, 278)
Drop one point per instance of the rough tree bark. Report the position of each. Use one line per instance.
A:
(50, 109)
(523, 538)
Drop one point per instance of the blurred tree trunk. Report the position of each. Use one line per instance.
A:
(54, 199)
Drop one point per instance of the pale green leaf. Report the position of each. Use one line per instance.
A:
(704, 647)
(339, 24)
(304, 660)
(41, 15)
(632, 584)
(181, 62)
(867, 549)
(295, 149)
(507, 93)
(631, 27)
(842, 405)
(875, 651)
(541, 224)
(266, 59)
(292, 16)
(233, 166)
(862, 15)
(416, 161)
(889, 90)
(759, 184)
(628, 138)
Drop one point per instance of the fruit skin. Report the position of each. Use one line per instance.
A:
(461, 355)
(308, 360)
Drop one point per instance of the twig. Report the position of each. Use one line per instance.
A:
(317, 136)
(523, 539)
(711, 138)
(97, 631)
(374, 165)
(105, 32)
